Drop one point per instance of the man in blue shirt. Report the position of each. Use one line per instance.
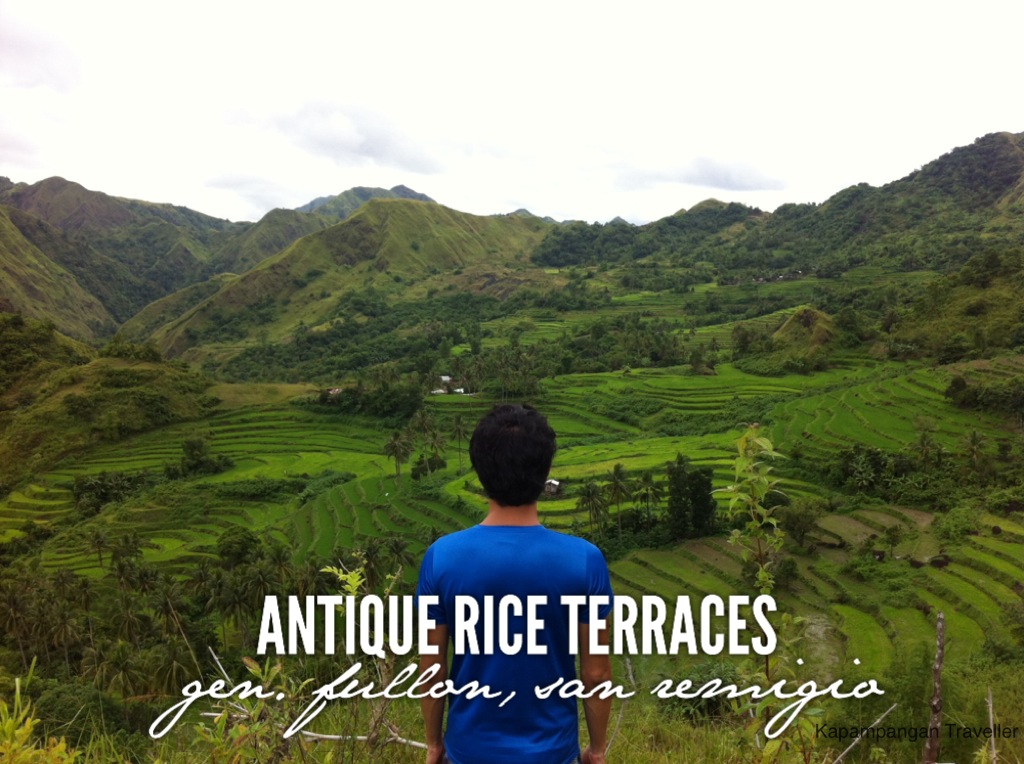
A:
(511, 553)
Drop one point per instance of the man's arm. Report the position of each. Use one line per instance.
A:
(595, 669)
(433, 708)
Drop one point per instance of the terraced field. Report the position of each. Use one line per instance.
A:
(878, 404)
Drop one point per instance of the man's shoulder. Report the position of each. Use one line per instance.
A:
(479, 534)
(454, 538)
(575, 543)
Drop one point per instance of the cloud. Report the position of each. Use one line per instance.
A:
(702, 171)
(260, 194)
(28, 59)
(15, 149)
(354, 135)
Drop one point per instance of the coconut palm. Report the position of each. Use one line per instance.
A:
(99, 542)
(617, 490)
(974, 450)
(592, 501)
(170, 666)
(460, 431)
(647, 491)
(436, 443)
(399, 448)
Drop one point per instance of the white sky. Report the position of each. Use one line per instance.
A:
(581, 110)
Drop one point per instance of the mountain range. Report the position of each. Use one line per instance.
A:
(93, 263)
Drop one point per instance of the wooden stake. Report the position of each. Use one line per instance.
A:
(931, 746)
(992, 726)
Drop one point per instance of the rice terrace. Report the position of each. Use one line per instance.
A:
(308, 407)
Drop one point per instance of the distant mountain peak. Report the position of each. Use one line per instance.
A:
(405, 192)
(342, 205)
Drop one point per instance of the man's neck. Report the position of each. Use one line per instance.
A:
(522, 515)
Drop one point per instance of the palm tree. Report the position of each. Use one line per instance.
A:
(974, 450)
(617, 488)
(129, 546)
(234, 602)
(126, 573)
(113, 667)
(436, 443)
(372, 555)
(262, 580)
(122, 670)
(167, 601)
(98, 542)
(926, 447)
(14, 615)
(647, 490)
(64, 582)
(84, 592)
(131, 622)
(460, 431)
(400, 449)
(398, 550)
(308, 580)
(592, 501)
(169, 667)
(63, 629)
(280, 557)
(423, 423)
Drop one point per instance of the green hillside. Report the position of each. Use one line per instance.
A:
(59, 398)
(167, 309)
(391, 246)
(34, 285)
(271, 234)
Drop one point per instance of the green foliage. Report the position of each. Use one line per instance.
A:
(800, 517)
(690, 508)
(197, 459)
(262, 488)
(92, 492)
(25, 343)
(76, 710)
(579, 243)
(1004, 396)
(17, 745)
(400, 332)
(760, 537)
(130, 351)
(957, 523)
(322, 482)
(237, 546)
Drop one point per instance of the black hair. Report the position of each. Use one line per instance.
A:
(511, 451)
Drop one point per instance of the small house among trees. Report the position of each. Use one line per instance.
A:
(552, 488)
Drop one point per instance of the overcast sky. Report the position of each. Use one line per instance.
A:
(577, 110)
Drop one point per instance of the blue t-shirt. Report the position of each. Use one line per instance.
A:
(523, 561)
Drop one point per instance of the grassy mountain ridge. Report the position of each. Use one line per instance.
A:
(170, 307)
(111, 282)
(341, 206)
(34, 285)
(934, 218)
(387, 244)
(163, 246)
(129, 252)
(268, 236)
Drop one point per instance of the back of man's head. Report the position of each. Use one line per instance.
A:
(511, 451)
